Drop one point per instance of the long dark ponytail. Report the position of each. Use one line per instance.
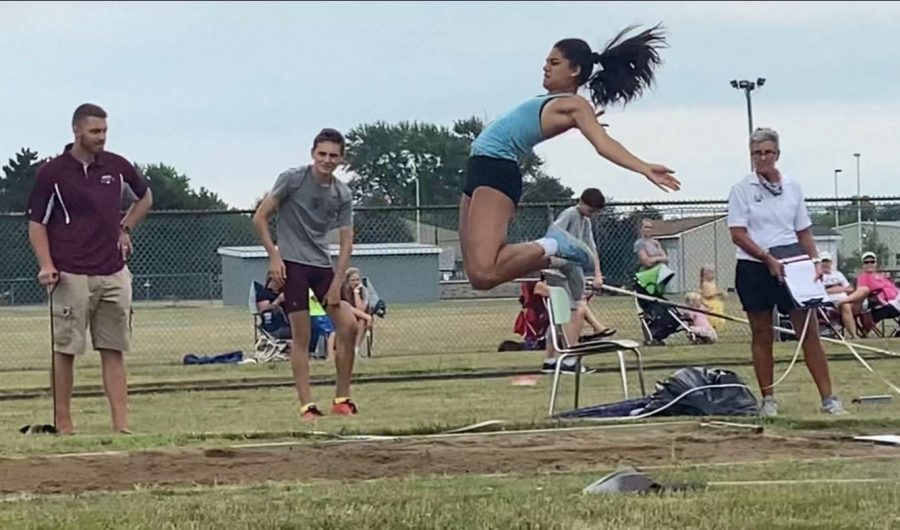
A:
(626, 64)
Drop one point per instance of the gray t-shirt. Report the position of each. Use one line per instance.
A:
(307, 211)
(650, 246)
(578, 225)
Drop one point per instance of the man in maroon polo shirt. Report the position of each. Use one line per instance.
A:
(81, 242)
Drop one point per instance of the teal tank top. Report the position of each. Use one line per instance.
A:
(513, 135)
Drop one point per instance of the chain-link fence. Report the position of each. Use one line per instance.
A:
(184, 285)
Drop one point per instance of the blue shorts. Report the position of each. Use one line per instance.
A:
(319, 327)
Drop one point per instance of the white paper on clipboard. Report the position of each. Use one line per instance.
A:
(799, 276)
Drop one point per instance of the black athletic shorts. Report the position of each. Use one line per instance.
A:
(502, 175)
(758, 290)
(300, 279)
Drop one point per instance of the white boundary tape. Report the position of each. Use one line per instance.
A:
(844, 342)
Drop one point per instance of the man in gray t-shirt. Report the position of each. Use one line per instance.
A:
(309, 202)
(648, 250)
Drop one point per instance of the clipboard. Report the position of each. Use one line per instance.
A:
(799, 275)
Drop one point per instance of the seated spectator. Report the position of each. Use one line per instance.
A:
(268, 304)
(878, 284)
(355, 294)
(847, 300)
(275, 322)
(700, 324)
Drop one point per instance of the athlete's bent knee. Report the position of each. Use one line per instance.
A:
(481, 279)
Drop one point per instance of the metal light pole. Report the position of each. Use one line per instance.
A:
(748, 87)
(836, 222)
(418, 213)
(858, 206)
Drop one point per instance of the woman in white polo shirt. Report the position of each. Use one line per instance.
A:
(767, 210)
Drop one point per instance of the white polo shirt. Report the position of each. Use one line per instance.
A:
(770, 220)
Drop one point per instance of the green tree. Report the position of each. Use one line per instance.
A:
(172, 191)
(17, 180)
(18, 268)
(388, 159)
(540, 187)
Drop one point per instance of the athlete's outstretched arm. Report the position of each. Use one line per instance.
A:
(610, 149)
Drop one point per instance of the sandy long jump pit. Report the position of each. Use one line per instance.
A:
(529, 452)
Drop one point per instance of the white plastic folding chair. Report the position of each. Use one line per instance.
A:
(559, 309)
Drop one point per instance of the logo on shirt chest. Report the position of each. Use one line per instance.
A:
(320, 204)
(106, 179)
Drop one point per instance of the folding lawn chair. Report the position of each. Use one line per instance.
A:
(267, 346)
(830, 324)
(532, 321)
(558, 307)
(875, 314)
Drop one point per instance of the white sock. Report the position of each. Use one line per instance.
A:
(550, 246)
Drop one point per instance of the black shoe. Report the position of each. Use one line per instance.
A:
(549, 366)
(568, 367)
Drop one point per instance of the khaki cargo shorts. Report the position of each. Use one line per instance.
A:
(101, 302)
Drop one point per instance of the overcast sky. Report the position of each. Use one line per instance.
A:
(232, 93)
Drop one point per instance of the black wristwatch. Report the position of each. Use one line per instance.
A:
(126, 229)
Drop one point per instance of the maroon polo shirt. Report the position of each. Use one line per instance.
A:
(81, 207)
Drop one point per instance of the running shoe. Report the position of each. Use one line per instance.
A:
(344, 407)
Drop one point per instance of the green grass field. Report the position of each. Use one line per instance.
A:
(188, 444)
(163, 333)
(514, 502)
